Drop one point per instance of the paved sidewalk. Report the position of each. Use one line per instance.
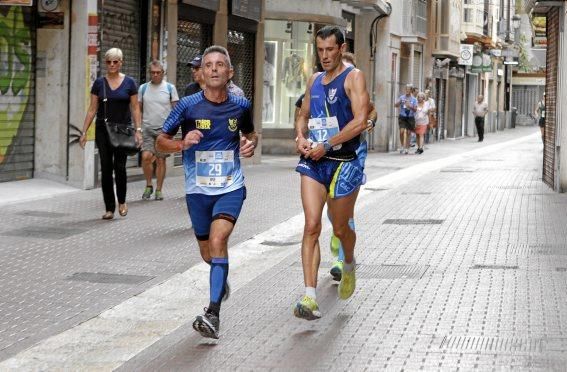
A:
(413, 277)
(463, 268)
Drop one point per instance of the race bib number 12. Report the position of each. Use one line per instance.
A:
(214, 168)
(321, 129)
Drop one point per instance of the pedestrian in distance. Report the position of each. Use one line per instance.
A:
(113, 97)
(198, 83)
(540, 114)
(406, 121)
(211, 122)
(421, 121)
(480, 109)
(332, 117)
(432, 115)
(156, 99)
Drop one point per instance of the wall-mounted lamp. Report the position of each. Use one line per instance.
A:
(310, 28)
(289, 27)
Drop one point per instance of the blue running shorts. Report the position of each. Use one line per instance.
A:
(204, 209)
(340, 178)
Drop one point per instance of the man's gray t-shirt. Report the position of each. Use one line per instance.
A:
(480, 109)
(156, 102)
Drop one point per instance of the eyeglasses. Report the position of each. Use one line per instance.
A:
(108, 62)
(156, 72)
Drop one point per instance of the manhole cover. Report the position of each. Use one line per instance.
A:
(492, 344)
(404, 221)
(495, 267)
(390, 271)
(279, 244)
(107, 278)
(44, 214)
(53, 233)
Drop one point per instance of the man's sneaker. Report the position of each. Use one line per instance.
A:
(401, 151)
(337, 270)
(207, 325)
(226, 294)
(159, 195)
(147, 193)
(406, 151)
(335, 245)
(347, 284)
(307, 309)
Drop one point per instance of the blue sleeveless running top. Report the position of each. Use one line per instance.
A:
(332, 100)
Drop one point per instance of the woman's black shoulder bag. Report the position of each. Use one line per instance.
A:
(121, 135)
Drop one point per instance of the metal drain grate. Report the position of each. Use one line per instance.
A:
(390, 271)
(274, 243)
(44, 214)
(374, 189)
(512, 187)
(408, 221)
(53, 233)
(106, 278)
(495, 267)
(561, 269)
(456, 170)
(492, 344)
(537, 248)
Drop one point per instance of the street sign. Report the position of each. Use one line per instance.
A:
(466, 55)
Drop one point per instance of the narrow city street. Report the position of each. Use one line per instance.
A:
(461, 258)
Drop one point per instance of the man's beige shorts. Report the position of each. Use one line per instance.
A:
(149, 135)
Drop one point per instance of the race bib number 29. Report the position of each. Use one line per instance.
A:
(214, 168)
(321, 129)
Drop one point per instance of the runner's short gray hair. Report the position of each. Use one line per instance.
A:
(218, 49)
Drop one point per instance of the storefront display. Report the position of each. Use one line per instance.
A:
(288, 62)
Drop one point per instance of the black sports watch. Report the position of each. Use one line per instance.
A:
(327, 146)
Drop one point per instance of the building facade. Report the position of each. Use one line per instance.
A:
(54, 52)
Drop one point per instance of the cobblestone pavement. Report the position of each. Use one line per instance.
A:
(463, 268)
(427, 284)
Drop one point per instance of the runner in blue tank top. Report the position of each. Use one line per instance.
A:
(332, 117)
(210, 122)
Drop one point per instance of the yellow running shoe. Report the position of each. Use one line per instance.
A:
(335, 245)
(307, 309)
(347, 284)
(337, 270)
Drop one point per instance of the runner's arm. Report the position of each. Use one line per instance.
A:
(301, 129)
(356, 90)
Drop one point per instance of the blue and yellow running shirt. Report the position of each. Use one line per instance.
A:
(331, 101)
(212, 167)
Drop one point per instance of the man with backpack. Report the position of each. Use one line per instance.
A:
(157, 98)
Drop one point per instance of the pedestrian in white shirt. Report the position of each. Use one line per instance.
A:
(480, 109)
(156, 98)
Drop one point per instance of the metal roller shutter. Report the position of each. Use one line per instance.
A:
(120, 28)
(192, 39)
(551, 96)
(241, 49)
(417, 69)
(17, 92)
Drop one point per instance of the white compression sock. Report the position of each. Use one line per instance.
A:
(310, 291)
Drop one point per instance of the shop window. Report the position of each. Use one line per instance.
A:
(288, 63)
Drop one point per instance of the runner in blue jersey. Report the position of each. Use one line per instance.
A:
(211, 122)
(332, 117)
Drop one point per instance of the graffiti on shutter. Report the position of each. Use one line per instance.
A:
(17, 92)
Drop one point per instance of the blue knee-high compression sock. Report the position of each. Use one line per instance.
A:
(341, 250)
(217, 281)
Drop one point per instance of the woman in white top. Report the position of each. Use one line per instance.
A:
(421, 120)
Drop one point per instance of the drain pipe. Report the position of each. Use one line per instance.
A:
(384, 12)
(69, 50)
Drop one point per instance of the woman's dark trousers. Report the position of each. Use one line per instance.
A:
(111, 160)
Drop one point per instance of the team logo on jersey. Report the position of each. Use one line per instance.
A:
(232, 124)
(332, 96)
(203, 124)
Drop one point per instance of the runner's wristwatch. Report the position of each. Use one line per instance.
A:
(327, 146)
